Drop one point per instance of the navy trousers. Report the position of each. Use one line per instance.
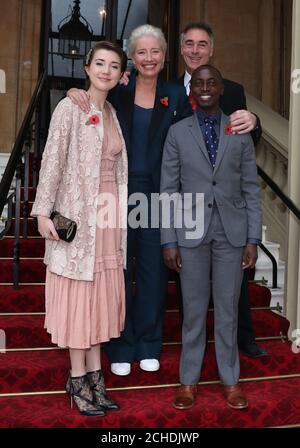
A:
(142, 335)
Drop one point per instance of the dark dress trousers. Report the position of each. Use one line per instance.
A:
(145, 136)
(234, 99)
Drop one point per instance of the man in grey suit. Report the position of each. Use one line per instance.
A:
(201, 155)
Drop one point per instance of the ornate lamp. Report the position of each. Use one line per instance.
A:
(75, 35)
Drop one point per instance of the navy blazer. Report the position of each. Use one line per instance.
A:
(233, 99)
(163, 116)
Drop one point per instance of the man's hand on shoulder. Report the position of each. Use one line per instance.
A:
(242, 121)
(80, 98)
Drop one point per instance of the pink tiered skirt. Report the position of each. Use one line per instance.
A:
(79, 313)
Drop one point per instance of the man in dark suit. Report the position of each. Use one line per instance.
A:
(197, 46)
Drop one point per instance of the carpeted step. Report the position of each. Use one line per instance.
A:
(32, 227)
(266, 324)
(36, 371)
(31, 298)
(26, 299)
(30, 204)
(271, 403)
(28, 331)
(33, 247)
(34, 271)
(31, 270)
(259, 296)
(25, 331)
(31, 193)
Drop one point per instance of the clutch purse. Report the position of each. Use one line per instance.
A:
(65, 227)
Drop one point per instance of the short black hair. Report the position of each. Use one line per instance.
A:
(198, 26)
(208, 67)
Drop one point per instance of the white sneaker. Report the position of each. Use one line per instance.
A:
(120, 368)
(150, 365)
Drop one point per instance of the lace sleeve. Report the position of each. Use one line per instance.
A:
(54, 158)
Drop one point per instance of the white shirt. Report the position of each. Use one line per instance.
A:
(186, 81)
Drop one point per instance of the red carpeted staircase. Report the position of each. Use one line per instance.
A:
(33, 371)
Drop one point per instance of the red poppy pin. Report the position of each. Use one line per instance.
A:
(228, 129)
(192, 102)
(165, 101)
(93, 119)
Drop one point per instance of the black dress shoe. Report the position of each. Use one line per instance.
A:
(253, 350)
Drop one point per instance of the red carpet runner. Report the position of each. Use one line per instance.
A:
(33, 371)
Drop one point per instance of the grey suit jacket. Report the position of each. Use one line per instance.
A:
(232, 185)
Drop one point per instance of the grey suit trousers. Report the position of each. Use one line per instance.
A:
(215, 256)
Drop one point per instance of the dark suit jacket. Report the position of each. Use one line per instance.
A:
(163, 116)
(234, 99)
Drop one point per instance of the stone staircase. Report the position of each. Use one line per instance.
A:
(263, 272)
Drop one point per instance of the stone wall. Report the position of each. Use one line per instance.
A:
(247, 42)
(19, 54)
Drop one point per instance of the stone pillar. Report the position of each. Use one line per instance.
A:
(190, 11)
(236, 28)
(19, 52)
(293, 266)
(269, 44)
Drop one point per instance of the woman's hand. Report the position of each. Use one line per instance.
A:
(46, 228)
(80, 98)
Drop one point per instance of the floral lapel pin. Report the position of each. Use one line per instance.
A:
(192, 102)
(93, 119)
(165, 101)
(228, 129)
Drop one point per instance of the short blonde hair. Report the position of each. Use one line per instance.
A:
(145, 31)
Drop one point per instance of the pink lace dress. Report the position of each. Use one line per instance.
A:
(79, 313)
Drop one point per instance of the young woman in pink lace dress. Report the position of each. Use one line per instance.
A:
(84, 177)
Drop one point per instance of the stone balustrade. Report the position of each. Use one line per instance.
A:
(272, 157)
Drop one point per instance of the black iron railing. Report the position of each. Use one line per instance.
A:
(22, 164)
(289, 204)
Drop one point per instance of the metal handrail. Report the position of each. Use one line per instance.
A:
(289, 204)
(16, 153)
(285, 199)
(274, 263)
(19, 170)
